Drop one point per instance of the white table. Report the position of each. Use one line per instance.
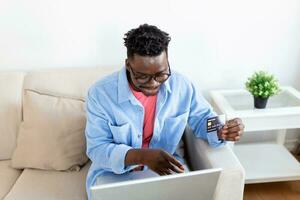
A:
(268, 161)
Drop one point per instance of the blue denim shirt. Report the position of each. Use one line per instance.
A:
(115, 121)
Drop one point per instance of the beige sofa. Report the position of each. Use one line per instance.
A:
(31, 184)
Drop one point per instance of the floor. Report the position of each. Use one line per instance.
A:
(289, 190)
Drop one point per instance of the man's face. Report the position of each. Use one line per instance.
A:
(141, 68)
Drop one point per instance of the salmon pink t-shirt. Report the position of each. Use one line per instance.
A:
(149, 104)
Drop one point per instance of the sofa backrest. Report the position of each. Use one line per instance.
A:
(73, 83)
(10, 111)
(69, 82)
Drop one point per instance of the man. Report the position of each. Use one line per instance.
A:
(136, 117)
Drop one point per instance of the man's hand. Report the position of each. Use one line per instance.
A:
(232, 130)
(157, 160)
(161, 162)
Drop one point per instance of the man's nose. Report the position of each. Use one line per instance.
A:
(153, 82)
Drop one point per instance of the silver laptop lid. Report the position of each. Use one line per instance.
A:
(195, 185)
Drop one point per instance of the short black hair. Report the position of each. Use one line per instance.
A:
(146, 40)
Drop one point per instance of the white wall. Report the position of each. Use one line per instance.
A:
(217, 43)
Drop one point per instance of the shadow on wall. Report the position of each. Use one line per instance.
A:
(298, 79)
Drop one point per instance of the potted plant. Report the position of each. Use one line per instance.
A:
(262, 86)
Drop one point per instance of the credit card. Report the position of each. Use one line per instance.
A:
(213, 124)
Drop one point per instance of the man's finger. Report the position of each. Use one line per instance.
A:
(223, 131)
(236, 128)
(236, 138)
(167, 171)
(175, 169)
(229, 126)
(233, 134)
(174, 161)
(159, 173)
(230, 139)
(234, 122)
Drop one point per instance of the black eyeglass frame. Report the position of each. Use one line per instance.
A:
(149, 77)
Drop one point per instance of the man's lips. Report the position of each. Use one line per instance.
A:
(152, 89)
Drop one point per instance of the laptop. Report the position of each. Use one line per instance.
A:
(195, 185)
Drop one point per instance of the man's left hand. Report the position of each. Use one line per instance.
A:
(232, 130)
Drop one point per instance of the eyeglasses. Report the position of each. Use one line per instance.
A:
(145, 78)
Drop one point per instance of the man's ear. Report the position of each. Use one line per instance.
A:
(127, 63)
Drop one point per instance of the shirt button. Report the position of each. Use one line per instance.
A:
(139, 135)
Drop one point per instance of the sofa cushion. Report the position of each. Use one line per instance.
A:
(51, 136)
(11, 84)
(8, 177)
(34, 184)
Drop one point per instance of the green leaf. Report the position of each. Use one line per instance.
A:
(262, 84)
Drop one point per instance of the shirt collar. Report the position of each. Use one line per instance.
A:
(124, 92)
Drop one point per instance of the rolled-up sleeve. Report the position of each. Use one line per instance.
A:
(101, 148)
(200, 111)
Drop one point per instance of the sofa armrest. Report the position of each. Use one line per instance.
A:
(201, 156)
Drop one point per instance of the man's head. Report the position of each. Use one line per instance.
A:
(147, 58)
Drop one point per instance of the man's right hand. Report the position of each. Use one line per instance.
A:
(161, 162)
(157, 160)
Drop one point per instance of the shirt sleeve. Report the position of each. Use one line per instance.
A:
(200, 111)
(101, 149)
